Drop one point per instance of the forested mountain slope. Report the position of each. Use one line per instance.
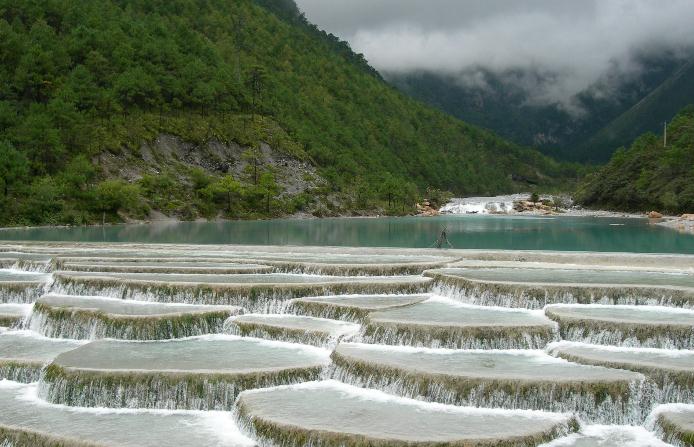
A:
(609, 114)
(648, 114)
(115, 107)
(648, 176)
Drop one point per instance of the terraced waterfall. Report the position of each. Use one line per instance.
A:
(154, 344)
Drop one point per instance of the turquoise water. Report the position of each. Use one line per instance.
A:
(493, 232)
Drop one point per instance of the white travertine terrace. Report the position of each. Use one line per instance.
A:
(420, 346)
(332, 413)
(23, 416)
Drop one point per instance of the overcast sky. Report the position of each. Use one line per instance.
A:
(574, 42)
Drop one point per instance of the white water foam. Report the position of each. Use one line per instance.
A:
(609, 436)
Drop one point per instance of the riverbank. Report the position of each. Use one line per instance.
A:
(559, 206)
(683, 223)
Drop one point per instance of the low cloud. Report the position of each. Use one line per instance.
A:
(562, 46)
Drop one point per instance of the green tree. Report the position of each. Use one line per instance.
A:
(45, 201)
(41, 141)
(14, 167)
(269, 187)
(256, 82)
(136, 87)
(252, 157)
(228, 188)
(79, 173)
(113, 196)
(390, 188)
(200, 178)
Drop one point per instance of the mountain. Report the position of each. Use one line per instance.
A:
(647, 115)
(647, 176)
(112, 109)
(607, 115)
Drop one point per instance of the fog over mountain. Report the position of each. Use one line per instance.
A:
(552, 49)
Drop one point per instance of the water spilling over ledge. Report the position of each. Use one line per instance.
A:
(26, 262)
(201, 373)
(89, 317)
(292, 328)
(524, 379)
(161, 266)
(443, 323)
(11, 315)
(637, 326)
(574, 276)
(674, 423)
(320, 296)
(25, 420)
(339, 266)
(349, 267)
(331, 413)
(672, 370)
(17, 286)
(315, 260)
(253, 292)
(24, 353)
(534, 288)
(351, 307)
(596, 260)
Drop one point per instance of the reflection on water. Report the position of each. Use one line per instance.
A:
(500, 232)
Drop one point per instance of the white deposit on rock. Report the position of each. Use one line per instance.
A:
(683, 224)
(508, 204)
(482, 205)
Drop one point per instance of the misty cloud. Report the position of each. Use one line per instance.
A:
(562, 46)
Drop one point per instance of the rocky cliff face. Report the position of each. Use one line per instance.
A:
(169, 153)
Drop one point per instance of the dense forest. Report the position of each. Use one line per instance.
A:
(82, 82)
(650, 175)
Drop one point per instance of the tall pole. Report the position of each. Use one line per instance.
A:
(665, 135)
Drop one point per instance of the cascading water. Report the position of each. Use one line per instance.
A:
(86, 327)
(539, 296)
(62, 316)
(255, 297)
(22, 287)
(483, 205)
(522, 338)
(319, 332)
(512, 379)
(23, 354)
(615, 337)
(202, 373)
(507, 287)
(31, 266)
(633, 408)
(629, 326)
(287, 312)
